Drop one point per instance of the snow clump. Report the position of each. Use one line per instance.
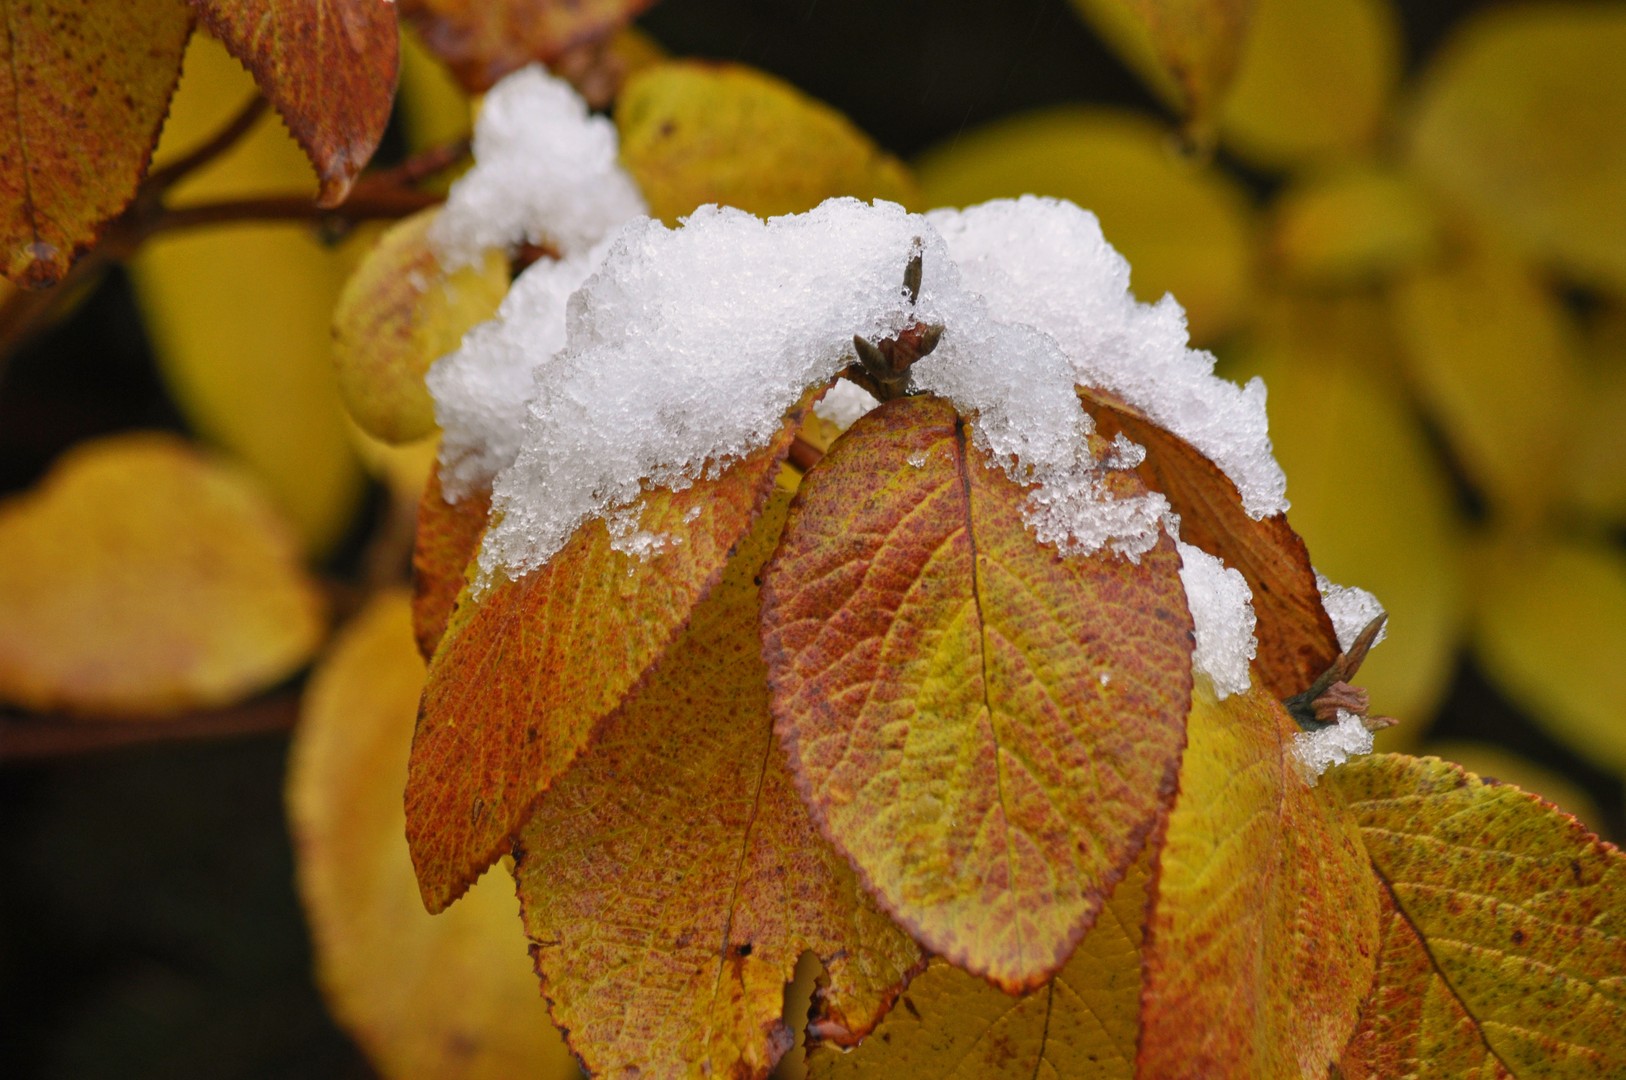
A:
(1318, 751)
(1350, 609)
(1222, 610)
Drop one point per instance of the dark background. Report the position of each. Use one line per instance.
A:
(148, 925)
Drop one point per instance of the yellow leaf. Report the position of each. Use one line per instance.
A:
(1264, 919)
(404, 469)
(1550, 631)
(1195, 42)
(399, 313)
(1368, 495)
(1314, 81)
(142, 579)
(1120, 26)
(695, 133)
(1519, 122)
(1491, 354)
(1349, 227)
(1497, 763)
(1185, 229)
(1083, 1022)
(443, 996)
(1595, 481)
(240, 316)
(434, 110)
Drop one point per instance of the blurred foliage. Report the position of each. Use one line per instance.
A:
(1410, 222)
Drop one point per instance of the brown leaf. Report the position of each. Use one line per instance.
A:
(84, 86)
(328, 66)
(1264, 919)
(1296, 639)
(523, 677)
(671, 880)
(447, 538)
(483, 40)
(1521, 911)
(987, 729)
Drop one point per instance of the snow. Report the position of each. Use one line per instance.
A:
(1318, 751)
(844, 404)
(1350, 609)
(545, 172)
(1222, 610)
(1044, 263)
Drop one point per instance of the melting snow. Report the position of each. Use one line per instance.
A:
(1222, 610)
(1335, 744)
(1350, 609)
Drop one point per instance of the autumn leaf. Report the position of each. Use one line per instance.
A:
(328, 66)
(1186, 229)
(1082, 1023)
(671, 880)
(448, 995)
(1506, 933)
(1518, 124)
(447, 538)
(483, 40)
(987, 729)
(399, 313)
(142, 578)
(1264, 919)
(695, 133)
(72, 155)
(1197, 43)
(1295, 636)
(522, 678)
(1350, 227)
(1314, 81)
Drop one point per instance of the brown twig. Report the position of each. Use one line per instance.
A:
(27, 737)
(168, 176)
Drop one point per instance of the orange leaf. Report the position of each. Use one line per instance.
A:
(1083, 1022)
(1264, 920)
(468, 1009)
(84, 86)
(327, 65)
(1296, 638)
(1522, 912)
(987, 729)
(523, 677)
(447, 539)
(483, 40)
(671, 880)
(142, 578)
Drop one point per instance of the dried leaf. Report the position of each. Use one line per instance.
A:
(1350, 227)
(1518, 122)
(1550, 631)
(71, 155)
(208, 297)
(695, 133)
(142, 579)
(522, 678)
(399, 313)
(671, 880)
(1314, 82)
(1082, 1023)
(448, 995)
(1296, 639)
(1264, 919)
(1186, 229)
(448, 536)
(1522, 914)
(1491, 351)
(1369, 495)
(1196, 41)
(328, 66)
(986, 729)
(483, 40)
